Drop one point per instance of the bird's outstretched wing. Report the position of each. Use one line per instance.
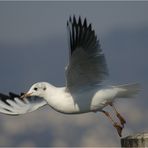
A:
(12, 104)
(87, 65)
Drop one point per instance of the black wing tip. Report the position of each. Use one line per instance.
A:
(81, 33)
(77, 20)
(13, 95)
(3, 96)
(85, 23)
(10, 96)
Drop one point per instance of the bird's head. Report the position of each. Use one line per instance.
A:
(38, 89)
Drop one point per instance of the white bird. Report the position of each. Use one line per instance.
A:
(83, 92)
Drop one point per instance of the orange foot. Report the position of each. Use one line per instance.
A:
(118, 128)
(122, 120)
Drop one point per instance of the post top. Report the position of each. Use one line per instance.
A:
(137, 136)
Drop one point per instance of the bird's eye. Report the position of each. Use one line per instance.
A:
(44, 88)
(35, 88)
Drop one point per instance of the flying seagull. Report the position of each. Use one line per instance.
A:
(83, 92)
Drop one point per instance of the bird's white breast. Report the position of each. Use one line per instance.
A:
(91, 100)
(62, 101)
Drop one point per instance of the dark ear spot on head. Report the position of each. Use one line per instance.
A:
(44, 88)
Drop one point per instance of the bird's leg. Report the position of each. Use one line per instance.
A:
(115, 124)
(120, 117)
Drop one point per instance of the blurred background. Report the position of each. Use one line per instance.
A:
(34, 47)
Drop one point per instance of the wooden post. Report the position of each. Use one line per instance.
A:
(137, 140)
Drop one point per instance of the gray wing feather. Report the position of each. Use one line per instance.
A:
(12, 104)
(87, 65)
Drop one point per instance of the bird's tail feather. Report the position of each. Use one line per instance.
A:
(127, 90)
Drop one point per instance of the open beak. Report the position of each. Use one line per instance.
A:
(26, 95)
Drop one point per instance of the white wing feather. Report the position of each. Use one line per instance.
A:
(14, 105)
